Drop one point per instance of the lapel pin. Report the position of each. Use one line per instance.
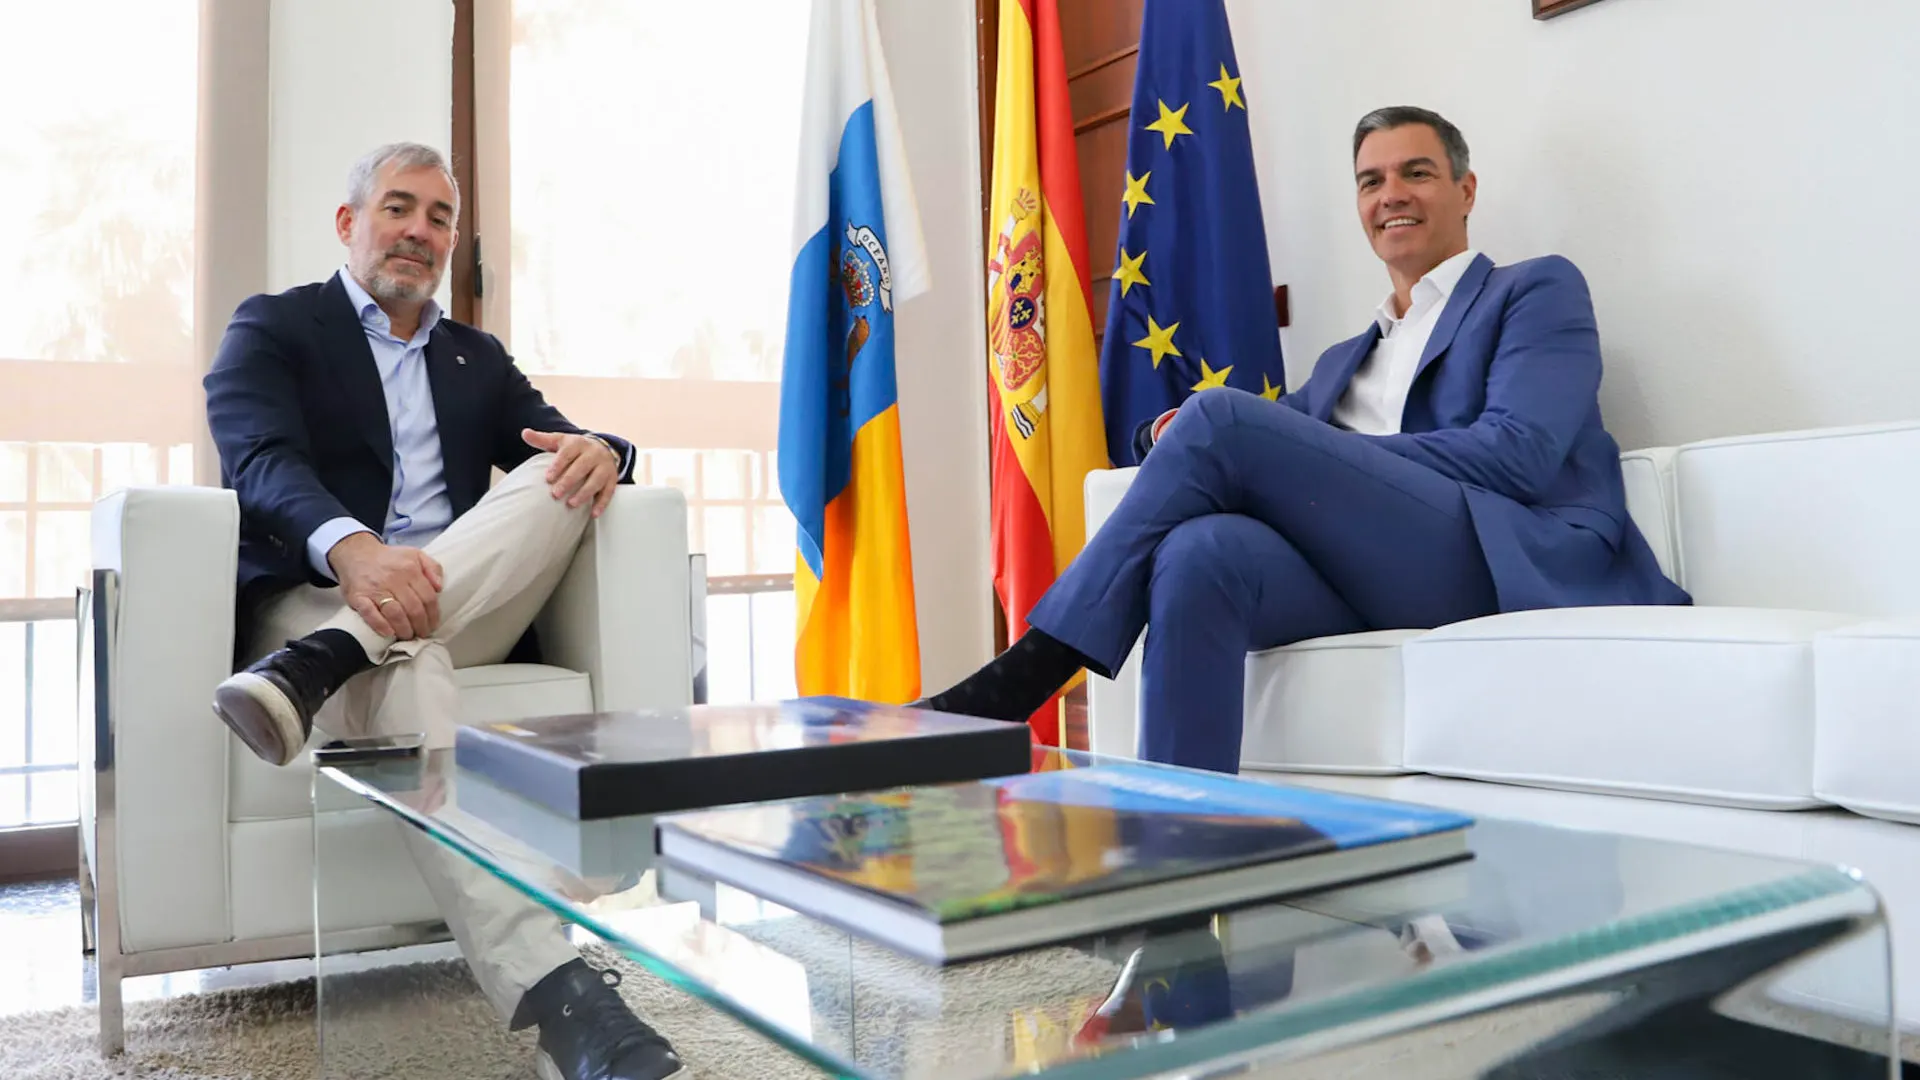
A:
(461, 360)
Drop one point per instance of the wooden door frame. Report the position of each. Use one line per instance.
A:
(460, 157)
(986, 59)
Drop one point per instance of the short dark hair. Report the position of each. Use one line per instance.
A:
(1396, 116)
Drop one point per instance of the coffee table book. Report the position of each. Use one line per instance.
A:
(604, 765)
(951, 871)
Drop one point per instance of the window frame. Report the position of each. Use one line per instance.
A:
(155, 403)
(482, 43)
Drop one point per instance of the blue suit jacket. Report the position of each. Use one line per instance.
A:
(299, 417)
(1506, 401)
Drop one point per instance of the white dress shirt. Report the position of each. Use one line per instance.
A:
(420, 508)
(1376, 399)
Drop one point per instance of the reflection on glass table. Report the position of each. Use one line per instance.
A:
(1550, 953)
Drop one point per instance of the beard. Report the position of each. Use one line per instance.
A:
(385, 286)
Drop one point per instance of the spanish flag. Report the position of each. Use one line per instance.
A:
(1047, 432)
(857, 256)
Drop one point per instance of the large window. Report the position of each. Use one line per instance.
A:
(98, 388)
(651, 175)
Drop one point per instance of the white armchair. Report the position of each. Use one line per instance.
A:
(194, 853)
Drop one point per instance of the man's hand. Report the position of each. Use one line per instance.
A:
(584, 469)
(395, 589)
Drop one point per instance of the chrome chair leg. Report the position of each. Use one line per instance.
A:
(100, 877)
(84, 873)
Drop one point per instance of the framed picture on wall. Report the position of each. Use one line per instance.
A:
(1547, 9)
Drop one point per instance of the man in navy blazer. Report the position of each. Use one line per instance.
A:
(1447, 463)
(359, 429)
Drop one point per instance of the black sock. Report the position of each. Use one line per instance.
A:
(1016, 682)
(347, 658)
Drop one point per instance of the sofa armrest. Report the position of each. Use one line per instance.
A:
(1813, 520)
(621, 613)
(1113, 705)
(1103, 492)
(161, 777)
(1648, 476)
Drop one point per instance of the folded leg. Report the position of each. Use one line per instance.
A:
(1392, 538)
(1221, 586)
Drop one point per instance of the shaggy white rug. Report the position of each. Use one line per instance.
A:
(429, 1022)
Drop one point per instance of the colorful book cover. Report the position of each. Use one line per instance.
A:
(963, 850)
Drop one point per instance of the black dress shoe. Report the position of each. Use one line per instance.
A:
(588, 1033)
(271, 704)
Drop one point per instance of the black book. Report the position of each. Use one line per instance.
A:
(603, 765)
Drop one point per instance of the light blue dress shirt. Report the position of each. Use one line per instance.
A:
(419, 508)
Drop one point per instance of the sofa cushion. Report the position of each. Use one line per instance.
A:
(1332, 704)
(490, 692)
(273, 875)
(1694, 703)
(1867, 718)
(495, 692)
(1810, 520)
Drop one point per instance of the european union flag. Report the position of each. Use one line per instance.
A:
(1191, 306)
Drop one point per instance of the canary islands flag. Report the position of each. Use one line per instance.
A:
(1191, 303)
(858, 255)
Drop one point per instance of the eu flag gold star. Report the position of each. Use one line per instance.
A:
(1211, 379)
(1229, 90)
(1129, 275)
(1171, 123)
(1136, 193)
(1159, 340)
(1272, 392)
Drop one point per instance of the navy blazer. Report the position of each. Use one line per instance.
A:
(1506, 400)
(297, 412)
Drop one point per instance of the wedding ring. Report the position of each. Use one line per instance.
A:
(385, 600)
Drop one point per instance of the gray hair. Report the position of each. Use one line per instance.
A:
(1397, 116)
(406, 155)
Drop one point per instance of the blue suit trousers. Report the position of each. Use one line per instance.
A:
(1252, 525)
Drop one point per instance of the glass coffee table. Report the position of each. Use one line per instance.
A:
(1550, 953)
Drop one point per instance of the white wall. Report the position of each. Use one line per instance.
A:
(942, 347)
(1732, 175)
(344, 77)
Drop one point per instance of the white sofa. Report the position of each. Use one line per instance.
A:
(1793, 684)
(194, 853)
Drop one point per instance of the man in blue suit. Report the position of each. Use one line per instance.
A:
(358, 429)
(1447, 463)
